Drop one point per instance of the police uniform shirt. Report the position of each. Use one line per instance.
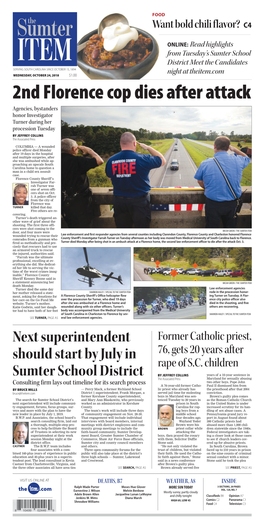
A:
(215, 185)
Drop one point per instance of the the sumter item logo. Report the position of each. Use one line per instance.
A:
(44, 39)
(33, 488)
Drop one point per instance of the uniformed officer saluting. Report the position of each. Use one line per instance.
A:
(77, 206)
(221, 183)
(129, 172)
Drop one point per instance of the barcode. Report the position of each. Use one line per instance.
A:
(34, 504)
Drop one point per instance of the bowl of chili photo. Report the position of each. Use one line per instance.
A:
(133, 62)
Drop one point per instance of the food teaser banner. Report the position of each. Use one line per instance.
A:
(44, 39)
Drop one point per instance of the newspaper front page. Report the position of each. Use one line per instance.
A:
(134, 352)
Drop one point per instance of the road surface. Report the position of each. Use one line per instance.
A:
(184, 177)
(200, 143)
(139, 274)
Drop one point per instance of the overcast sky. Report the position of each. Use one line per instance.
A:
(182, 120)
(103, 259)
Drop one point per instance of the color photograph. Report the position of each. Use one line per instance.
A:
(95, 268)
(156, 167)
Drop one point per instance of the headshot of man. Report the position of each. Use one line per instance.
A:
(165, 416)
(129, 172)
(20, 194)
(220, 177)
(20, 433)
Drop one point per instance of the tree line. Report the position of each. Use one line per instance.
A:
(242, 257)
(106, 139)
(201, 135)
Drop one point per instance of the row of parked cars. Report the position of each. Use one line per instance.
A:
(196, 271)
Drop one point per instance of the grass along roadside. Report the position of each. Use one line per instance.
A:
(199, 153)
(195, 278)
